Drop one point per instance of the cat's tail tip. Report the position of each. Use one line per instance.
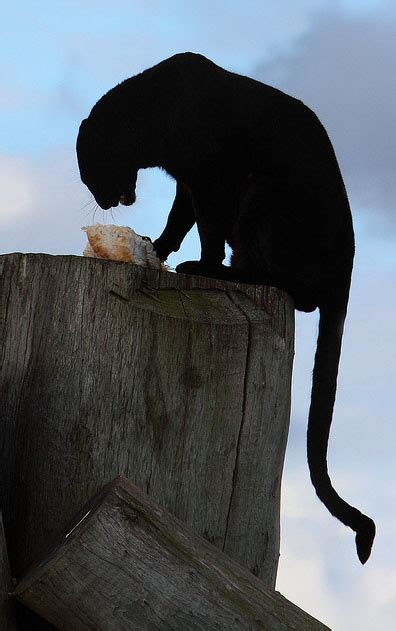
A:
(365, 534)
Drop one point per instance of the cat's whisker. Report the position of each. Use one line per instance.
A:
(89, 203)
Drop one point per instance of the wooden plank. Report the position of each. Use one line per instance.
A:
(127, 564)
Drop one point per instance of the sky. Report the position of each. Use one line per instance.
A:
(58, 58)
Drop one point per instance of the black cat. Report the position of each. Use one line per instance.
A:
(254, 168)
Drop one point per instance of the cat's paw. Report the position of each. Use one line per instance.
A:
(162, 249)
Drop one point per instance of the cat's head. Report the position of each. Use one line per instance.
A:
(105, 165)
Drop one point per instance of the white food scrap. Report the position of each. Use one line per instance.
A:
(120, 243)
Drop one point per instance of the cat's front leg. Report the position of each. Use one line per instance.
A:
(180, 221)
(213, 212)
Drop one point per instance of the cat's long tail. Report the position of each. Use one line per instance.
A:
(324, 386)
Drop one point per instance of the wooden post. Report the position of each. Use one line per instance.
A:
(124, 563)
(182, 384)
(7, 619)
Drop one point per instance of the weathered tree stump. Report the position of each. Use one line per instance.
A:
(7, 618)
(182, 384)
(126, 564)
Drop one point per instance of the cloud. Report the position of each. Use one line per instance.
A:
(343, 67)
